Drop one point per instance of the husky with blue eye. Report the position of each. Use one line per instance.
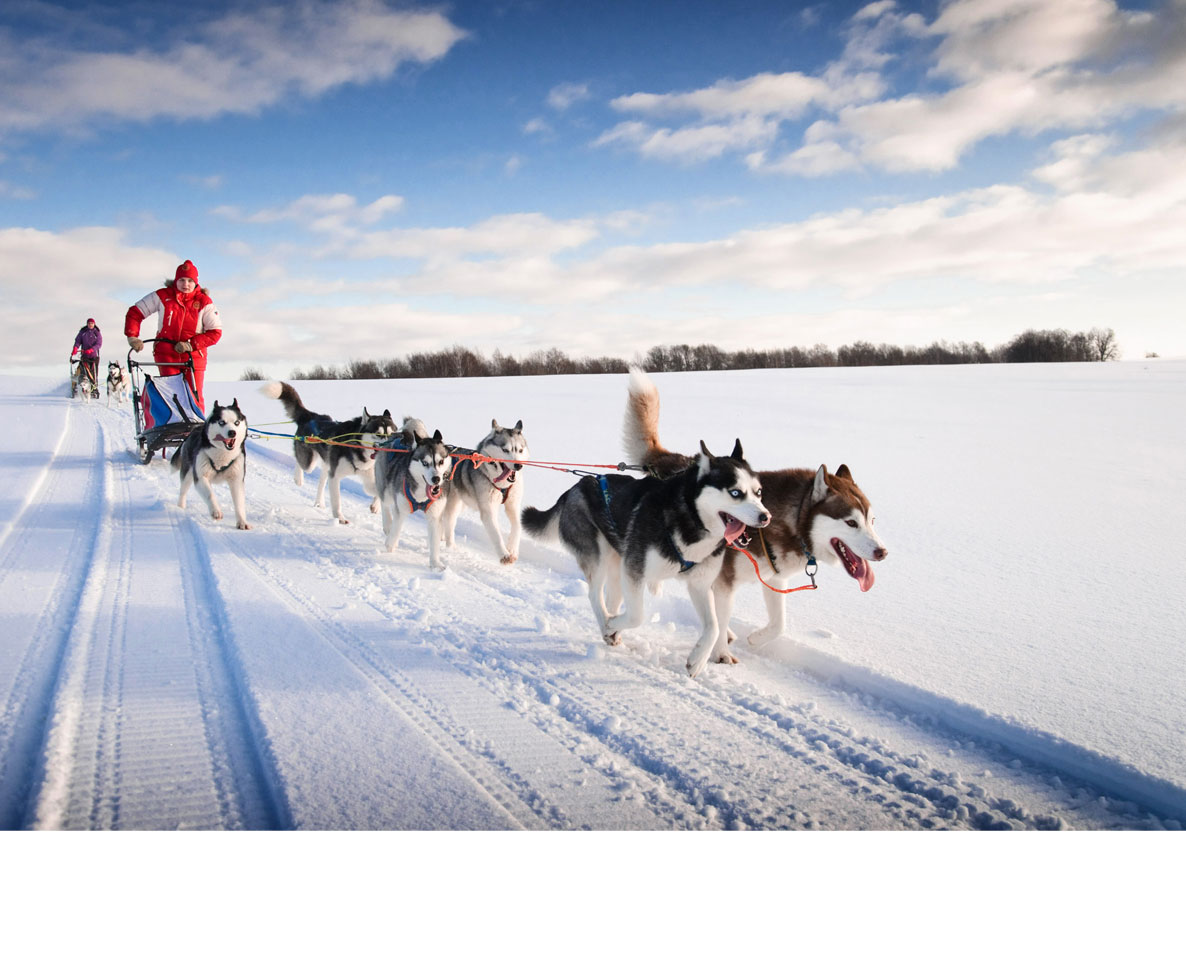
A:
(412, 475)
(216, 452)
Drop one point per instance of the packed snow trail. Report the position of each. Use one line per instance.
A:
(173, 672)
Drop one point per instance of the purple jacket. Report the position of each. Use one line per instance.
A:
(89, 340)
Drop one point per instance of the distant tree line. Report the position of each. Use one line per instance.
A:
(1030, 347)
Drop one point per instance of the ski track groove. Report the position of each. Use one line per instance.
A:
(28, 708)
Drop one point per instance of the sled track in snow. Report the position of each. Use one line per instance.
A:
(28, 707)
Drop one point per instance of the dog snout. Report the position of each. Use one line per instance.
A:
(880, 553)
(764, 519)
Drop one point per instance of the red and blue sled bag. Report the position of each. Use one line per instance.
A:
(168, 400)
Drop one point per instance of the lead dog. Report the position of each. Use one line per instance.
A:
(117, 383)
(411, 475)
(814, 515)
(216, 452)
(487, 485)
(637, 532)
(348, 447)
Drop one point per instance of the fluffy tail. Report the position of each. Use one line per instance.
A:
(543, 524)
(287, 395)
(640, 429)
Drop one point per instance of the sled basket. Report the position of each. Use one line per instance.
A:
(168, 400)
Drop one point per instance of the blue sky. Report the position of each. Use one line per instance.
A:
(363, 179)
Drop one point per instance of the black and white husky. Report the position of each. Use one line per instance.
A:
(412, 475)
(815, 516)
(117, 383)
(348, 447)
(216, 452)
(486, 485)
(631, 533)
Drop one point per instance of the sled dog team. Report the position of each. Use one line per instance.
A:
(690, 517)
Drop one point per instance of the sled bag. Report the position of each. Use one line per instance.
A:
(166, 400)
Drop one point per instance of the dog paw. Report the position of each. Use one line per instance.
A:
(344, 521)
(764, 635)
(216, 514)
(244, 526)
(508, 559)
(375, 507)
(725, 657)
(613, 639)
(696, 667)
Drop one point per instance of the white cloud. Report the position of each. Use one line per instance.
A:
(564, 96)
(1009, 66)
(235, 64)
(336, 213)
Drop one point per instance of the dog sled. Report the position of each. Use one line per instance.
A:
(164, 406)
(84, 377)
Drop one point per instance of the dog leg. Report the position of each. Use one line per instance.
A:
(335, 498)
(486, 511)
(434, 539)
(702, 601)
(512, 507)
(633, 593)
(204, 489)
(393, 522)
(239, 501)
(186, 481)
(723, 600)
(319, 502)
(452, 511)
(776, 619)
(596, 573)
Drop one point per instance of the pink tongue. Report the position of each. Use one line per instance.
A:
(864, 575)
(433, 491)
(506, 472)
(733, 528)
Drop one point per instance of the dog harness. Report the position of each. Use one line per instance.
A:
(417, 506)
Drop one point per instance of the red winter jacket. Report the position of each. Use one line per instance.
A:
(193, 318)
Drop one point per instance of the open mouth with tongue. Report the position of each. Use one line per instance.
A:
(433, 491)
(227, 443)
(734, 529)
(858, 568)
(507, 475)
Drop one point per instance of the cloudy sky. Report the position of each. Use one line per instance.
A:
(364, 179)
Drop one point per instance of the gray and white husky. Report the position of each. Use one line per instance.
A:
(485, 485)
(117, 383)
(216, 452)
(815, 516)
(412, 475)
(631, 533)
(348, 447)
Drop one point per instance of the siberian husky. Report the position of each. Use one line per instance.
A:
(412, 475)
(348, 447)
(486, 485)
(815, 515)
(216, 452)
(117, 383)
(630, 533)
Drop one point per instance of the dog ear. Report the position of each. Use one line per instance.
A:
(843, 472)
(494, 425)
(387, 413)
(235, 405)
(215, 408)
(737, 455)
(519, 425)
(819, 488)
(703, 460)
(365, 414)
(410, 437)
(436, 436)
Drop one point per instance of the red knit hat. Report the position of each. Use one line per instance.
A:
(186, 269)
(90, 320)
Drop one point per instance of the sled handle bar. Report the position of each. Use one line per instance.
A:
(188, 362)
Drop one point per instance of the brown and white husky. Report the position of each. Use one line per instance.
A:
(814, 515)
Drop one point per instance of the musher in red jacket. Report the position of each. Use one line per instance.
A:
(188, 323)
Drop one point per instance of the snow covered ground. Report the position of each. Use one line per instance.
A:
(1016, 666)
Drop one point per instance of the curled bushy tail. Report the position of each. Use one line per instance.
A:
(543, 524)
(640, 429)
(287, 395)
